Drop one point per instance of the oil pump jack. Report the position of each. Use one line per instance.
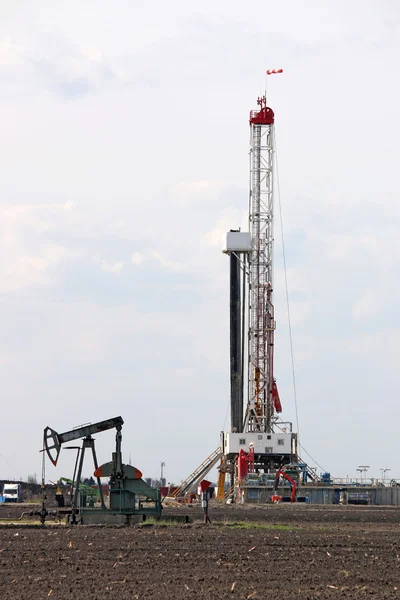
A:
(129, 494)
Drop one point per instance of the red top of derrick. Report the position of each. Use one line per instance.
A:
(264, 116)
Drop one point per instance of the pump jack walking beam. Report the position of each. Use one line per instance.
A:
(74, 434)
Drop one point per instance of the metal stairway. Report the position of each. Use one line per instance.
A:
(311, 475)
(229, 493)
(198, 474)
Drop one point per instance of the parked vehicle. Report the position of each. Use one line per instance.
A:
(11, 492)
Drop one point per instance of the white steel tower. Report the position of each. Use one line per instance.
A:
(263, 399)
(272, 440)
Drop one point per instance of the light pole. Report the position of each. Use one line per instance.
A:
(383, 471)
(364, 469)
(360, 470)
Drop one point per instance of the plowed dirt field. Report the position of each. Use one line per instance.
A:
(247, 552)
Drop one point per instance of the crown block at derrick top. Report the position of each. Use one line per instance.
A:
(265, 116)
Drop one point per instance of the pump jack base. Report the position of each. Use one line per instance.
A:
(104, 518)
(93, 517)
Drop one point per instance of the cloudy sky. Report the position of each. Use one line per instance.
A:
(124, 157)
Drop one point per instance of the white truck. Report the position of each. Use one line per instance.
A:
(11, 492)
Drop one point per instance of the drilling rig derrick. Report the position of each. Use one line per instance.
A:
(252, 322)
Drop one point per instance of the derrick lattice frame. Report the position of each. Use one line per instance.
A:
(260, 408)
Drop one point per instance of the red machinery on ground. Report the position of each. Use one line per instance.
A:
(293, 486)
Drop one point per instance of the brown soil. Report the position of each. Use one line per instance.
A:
(307, 552)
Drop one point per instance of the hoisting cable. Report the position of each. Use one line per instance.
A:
(287, 296)
(313, 459)
(302, 447)
(226, 416)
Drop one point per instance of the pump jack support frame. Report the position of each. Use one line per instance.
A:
(88, 442)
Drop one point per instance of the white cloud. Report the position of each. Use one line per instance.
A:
(137, 258)
(65, 68)
(11, 55)
(112, 267)
(199, 187)
(25, 259)
(92, 54)
(19, 270)
(342, 246)
(231, 219)
(88, 348)
(7, 358)
(299, 312)
(367, 305)
(151, 154)
(166, 262)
